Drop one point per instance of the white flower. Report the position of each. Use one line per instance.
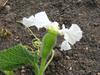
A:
(73, 34)
(40, 20)
(28, 21)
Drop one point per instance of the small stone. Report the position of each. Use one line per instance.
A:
(92, 35)
(79, 1)
(17, 37)
(70, 68)
(62, 15)
(67, 57)
(75, 61)
(7, 8)
(23, 71)
(17, 40)
(23, 67)
(98, 73)
(79, 14)
(76, 55)
(96, 24)
(86, 48)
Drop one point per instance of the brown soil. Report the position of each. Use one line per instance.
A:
(82, 59)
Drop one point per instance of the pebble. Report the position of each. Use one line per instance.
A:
(23, 67)
(17, 37)
(87, 48)
(70, 68)
(67, 57)
(98, 73)
(96, 24)
(7, 8)
(79, 1)
(23, 71)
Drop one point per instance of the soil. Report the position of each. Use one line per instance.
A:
(82, 59)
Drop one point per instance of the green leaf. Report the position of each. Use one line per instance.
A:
(16, 57)
(36, 58)
(8, 72)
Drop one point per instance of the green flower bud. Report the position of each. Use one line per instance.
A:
(48, 42)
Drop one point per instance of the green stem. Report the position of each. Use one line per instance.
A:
(42, 66)
(49, 60)
(32, 33)
(36, 69)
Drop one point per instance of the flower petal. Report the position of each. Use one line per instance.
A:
(41, 19)
(65, 46)
(54, 25)
(74, 34)
(28, 21)
(75, 28)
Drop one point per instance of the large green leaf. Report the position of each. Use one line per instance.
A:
(16, 57)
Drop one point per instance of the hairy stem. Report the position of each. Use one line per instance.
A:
(36, 69)
(42, 66)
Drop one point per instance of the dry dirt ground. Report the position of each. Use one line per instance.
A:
(82, 59)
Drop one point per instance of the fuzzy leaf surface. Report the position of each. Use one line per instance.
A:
(15, 57)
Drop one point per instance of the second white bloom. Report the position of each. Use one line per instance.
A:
(73, 34)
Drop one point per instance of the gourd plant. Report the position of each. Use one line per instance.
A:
(19, 55)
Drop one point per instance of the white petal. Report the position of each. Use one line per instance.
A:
(63, 27)
(31, 18)
(74, 34)
(75, 28)
(41, 19)
(65, 46)
(28, 21)
(53, 25)
(66, 36)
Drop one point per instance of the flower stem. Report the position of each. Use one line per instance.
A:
(42, 66)
(36, 69)
(49, 60)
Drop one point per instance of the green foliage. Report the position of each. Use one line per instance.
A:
(8, 73)
(48, 42)
(16, 57)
